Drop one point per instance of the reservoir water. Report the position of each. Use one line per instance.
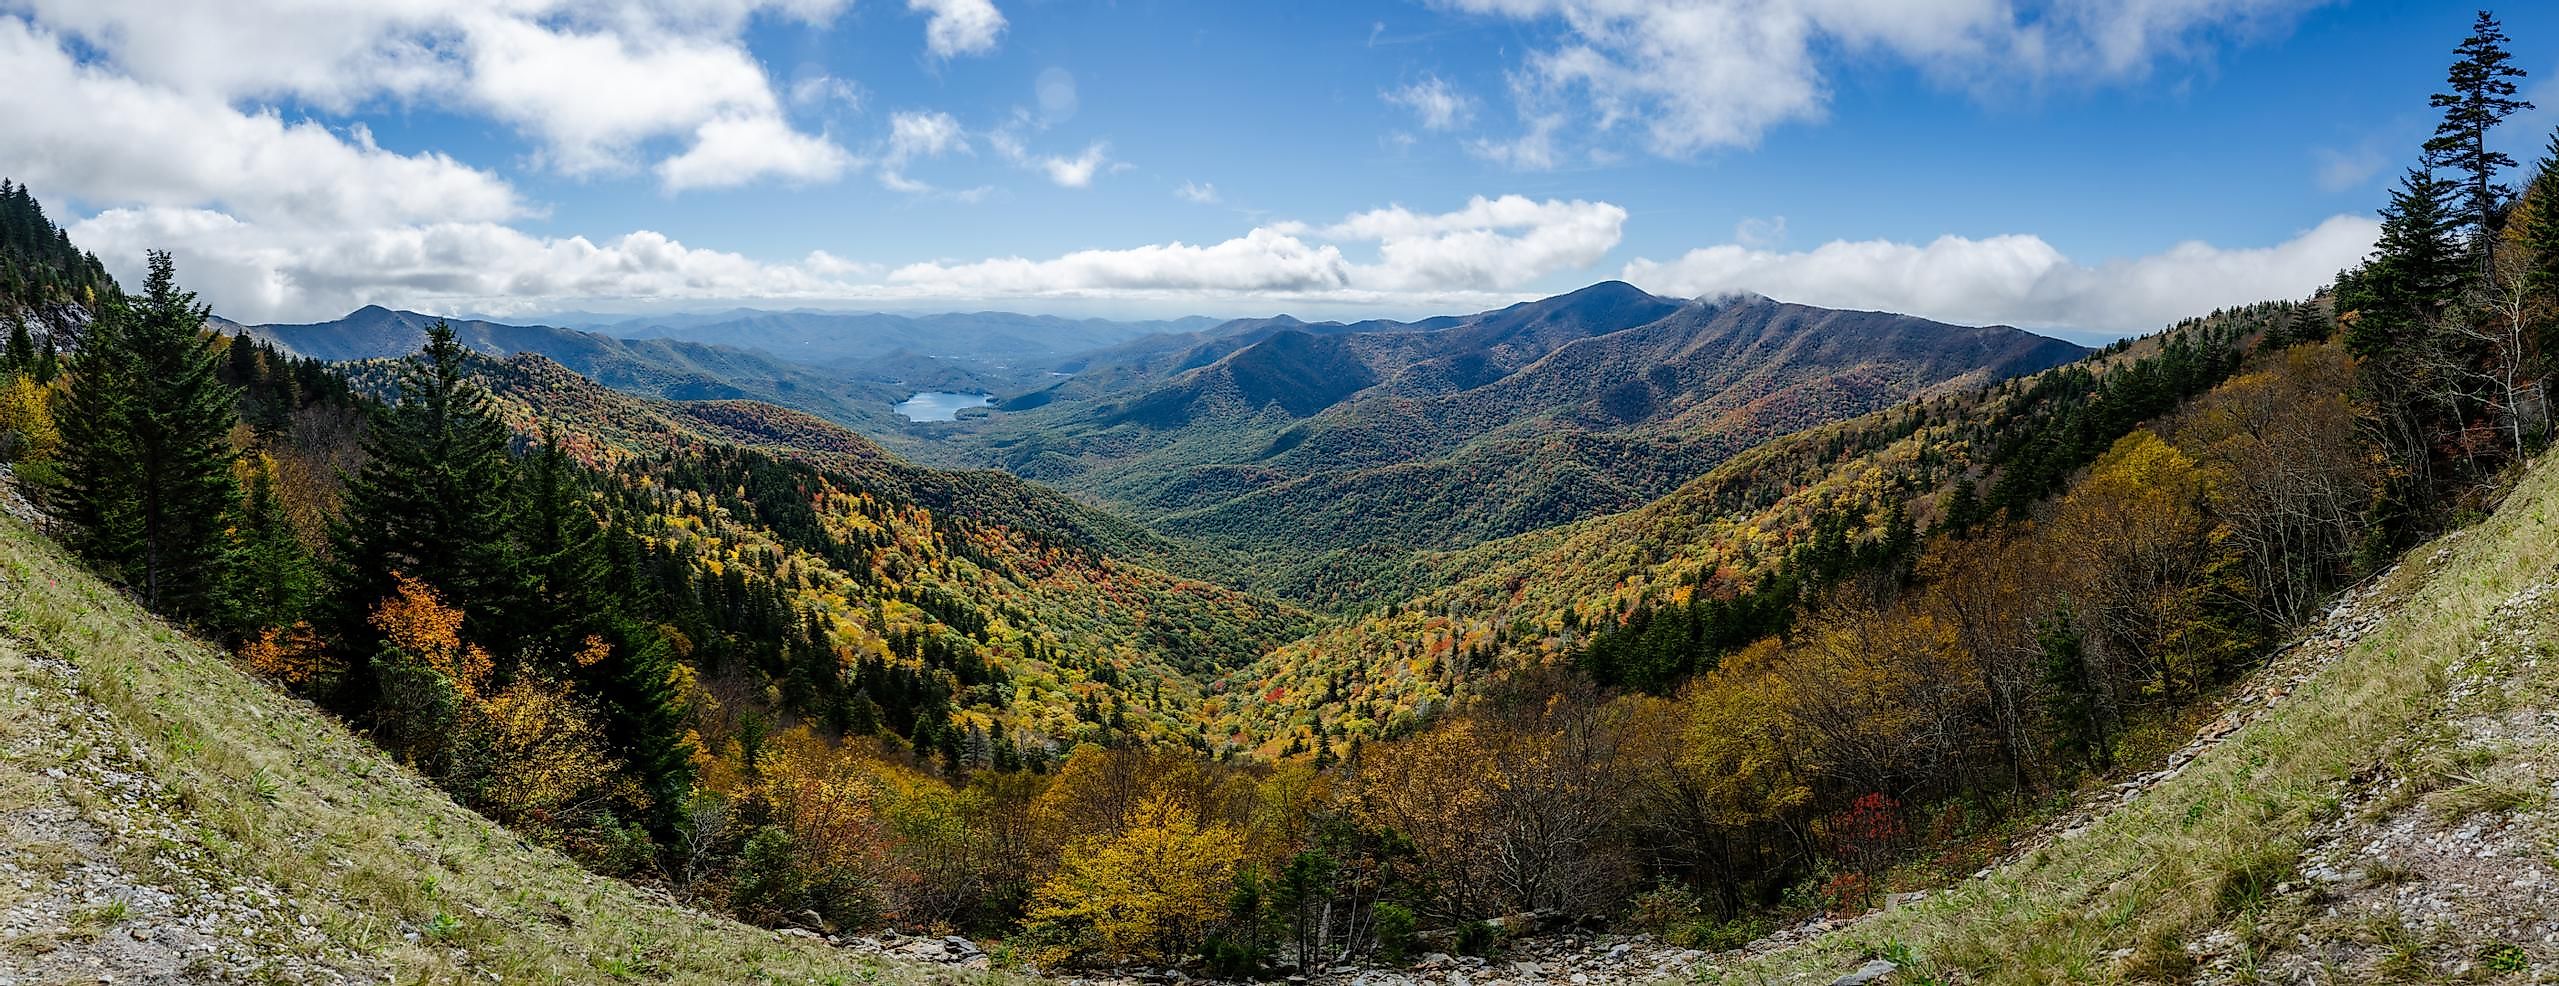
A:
(941, 405)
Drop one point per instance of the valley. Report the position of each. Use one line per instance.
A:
(1321, 462)
(1514, 595)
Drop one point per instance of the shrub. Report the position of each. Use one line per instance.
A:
(1394, 931)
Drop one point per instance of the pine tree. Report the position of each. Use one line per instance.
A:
(148, 462)
(430, 502)
(2482, 95)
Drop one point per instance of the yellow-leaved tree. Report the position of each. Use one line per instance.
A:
(548, 750)
(293, 655)
(27, 433)
(429, 678)
(2148, 564)
(1148, 894)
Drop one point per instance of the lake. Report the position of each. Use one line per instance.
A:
(941, 405)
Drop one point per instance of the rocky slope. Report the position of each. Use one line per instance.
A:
(165, 818)
(2376, 805)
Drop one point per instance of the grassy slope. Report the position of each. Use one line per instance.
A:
(352, 856)
(2122, 898)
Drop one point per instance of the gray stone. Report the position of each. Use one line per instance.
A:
(1867, 973)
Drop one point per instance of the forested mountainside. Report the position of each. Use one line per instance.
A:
(982, 610)
(44, 279)
(609, 638)
(760, 662)
(1652, 596)
(1039, 617)
(670, 368)
(1320, 457)
(536, 391)
(2361, 809)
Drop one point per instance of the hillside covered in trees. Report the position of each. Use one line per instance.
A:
(1319, 458)
(1902, 596)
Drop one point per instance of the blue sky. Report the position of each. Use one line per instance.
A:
(2094, 166)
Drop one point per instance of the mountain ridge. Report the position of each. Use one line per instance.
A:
(673, 369)
(1287, 446)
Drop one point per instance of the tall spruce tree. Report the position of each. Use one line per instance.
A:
(2482, 84)
(561, 548)
(147, 449)
(431, 503)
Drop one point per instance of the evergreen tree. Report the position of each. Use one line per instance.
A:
(147, 449)
(572, 621)
(565, 596)
(430, 502)
(48, 361)
(274, 580)
(2413, 272)
(1963, 507)
(21, 356)
(2482, 95)
(2539, 232)
(2071, 690)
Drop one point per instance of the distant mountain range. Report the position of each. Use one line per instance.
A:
(847, 337)
(1321, 455)
(859, 396)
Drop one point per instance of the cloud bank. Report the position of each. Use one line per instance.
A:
(598, 89)
(1477, 255)
(2019, 279)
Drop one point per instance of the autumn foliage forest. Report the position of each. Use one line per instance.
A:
(743, 654)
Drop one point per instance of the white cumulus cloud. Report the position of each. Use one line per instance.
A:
(84, 132)
(260, 272)
(1482, 251)
(737, 150)
(1077, 171)
(959, 27)
(917, 135)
